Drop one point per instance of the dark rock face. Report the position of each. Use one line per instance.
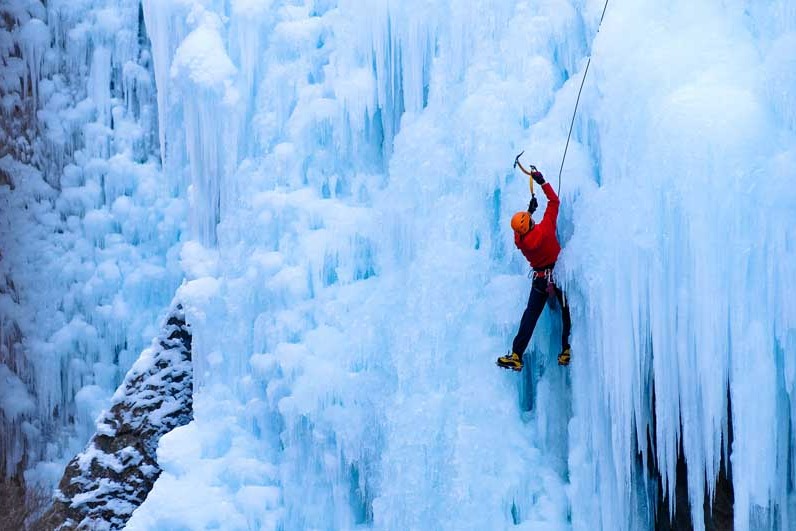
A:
(718, 513)
(12, 504)
(104, 484)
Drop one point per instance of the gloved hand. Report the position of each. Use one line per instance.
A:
(537, 176)
(533, 205)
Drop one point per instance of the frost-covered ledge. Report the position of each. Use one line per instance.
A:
(104, 484)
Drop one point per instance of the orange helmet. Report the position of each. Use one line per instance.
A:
(521, 222)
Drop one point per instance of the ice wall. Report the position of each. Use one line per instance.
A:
(683, 259)
(368, 214)
(345, 377)
(88, 223)
(350, 271)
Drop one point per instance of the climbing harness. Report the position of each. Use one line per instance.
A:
(577, 101)
(546, 274)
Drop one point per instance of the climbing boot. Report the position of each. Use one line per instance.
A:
(513, 362)
(563, 358)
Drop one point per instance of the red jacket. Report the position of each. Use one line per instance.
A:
(540, 244)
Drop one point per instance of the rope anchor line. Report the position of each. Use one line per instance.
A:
(577, 102)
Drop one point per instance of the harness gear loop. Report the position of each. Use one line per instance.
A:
(546, 274)
(577, 101)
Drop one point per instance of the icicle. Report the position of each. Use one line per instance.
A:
(35, 38)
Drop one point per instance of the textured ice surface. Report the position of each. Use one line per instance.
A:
(87, 220)
(350, 275)
(370, 208)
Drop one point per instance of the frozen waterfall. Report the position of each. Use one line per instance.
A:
(325, 186)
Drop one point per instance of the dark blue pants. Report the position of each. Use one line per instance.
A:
(536, 302)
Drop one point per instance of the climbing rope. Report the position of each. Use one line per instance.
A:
(575, 112)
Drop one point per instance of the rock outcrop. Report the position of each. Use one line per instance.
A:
(104, 484)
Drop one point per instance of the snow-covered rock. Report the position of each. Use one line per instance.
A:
(104, 484)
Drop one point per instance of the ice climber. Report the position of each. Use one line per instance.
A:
(539, 245)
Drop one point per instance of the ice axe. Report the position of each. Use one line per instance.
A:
(534, 204)
(517, 159)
